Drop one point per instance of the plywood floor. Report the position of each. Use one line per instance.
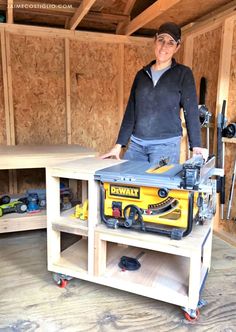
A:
(30, 301)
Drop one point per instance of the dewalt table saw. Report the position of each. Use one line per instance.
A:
(165, 199)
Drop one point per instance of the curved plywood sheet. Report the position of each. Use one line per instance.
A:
(37, 66)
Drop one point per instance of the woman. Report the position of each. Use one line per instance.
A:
(152, 118)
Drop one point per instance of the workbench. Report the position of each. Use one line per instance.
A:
(173, 271)
(28, 157)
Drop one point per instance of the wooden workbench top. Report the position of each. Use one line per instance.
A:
(40, 156)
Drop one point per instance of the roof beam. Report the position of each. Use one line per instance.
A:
(80, 13)
(10, 11)
(148, 15)
(128, 8)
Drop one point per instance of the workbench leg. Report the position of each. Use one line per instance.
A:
(93, 215)
(194, 279)
(100, 254)
(53, 213)
(207, 251)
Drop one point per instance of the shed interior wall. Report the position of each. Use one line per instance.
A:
(87, 109)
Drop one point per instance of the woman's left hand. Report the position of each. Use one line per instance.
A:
(202, 151)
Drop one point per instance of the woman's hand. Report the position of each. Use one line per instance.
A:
(202, 151)
(114, 152)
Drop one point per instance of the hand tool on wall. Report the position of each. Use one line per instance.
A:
(231, 192)
(220, 156)
(204, 114)
(229, 131)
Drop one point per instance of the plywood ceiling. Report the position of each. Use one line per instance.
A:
(130, 17)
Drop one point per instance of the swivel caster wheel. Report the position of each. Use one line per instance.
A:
(61, 279)
(192, 315)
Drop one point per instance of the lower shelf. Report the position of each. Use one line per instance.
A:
(15, 222)
(161, 276)
(74, 258)
(69, 224)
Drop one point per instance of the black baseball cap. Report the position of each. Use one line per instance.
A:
(171, 29)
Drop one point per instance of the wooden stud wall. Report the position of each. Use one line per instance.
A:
(206, 54)
(63, 87)
(213, 56)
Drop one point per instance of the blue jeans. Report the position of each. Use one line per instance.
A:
(153, 153)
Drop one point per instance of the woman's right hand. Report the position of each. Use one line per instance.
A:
(114, 152)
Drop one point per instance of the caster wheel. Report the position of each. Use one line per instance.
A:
(192, 318)
(63, 283)
(61, 279)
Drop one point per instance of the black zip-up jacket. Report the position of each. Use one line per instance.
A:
(153, 112)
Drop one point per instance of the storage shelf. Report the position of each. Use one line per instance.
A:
(75, 257)
(69, 224)
(158, 270)
(153, 241)
(14, 222)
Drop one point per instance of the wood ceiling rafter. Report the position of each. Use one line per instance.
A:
(128, 8)
(80, 13)
(34, 8)
(149, 14)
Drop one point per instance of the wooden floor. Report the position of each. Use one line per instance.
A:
(30, 300)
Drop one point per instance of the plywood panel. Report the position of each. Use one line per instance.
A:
(3, 174)
(230, 149)
(179, 56)
(30, 179)
(4, 186)
(94, 94)
(231, 108)
(38, 89)
(2, 108)
(206, 55)
(135, 58)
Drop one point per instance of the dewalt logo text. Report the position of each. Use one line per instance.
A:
(132, 192)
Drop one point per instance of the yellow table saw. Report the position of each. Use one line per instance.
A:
(165, 199)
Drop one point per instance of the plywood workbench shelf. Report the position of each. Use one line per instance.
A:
(172, 271)
(29, 157)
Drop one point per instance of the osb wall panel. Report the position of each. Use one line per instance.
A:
(2, 107)
(230, 149)
(179, 56)
(94, 94)
(3, 174)
(206, 55)
(30, 179)
(231, 107)
(37, 66)
(135, 58)
(4, 183)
